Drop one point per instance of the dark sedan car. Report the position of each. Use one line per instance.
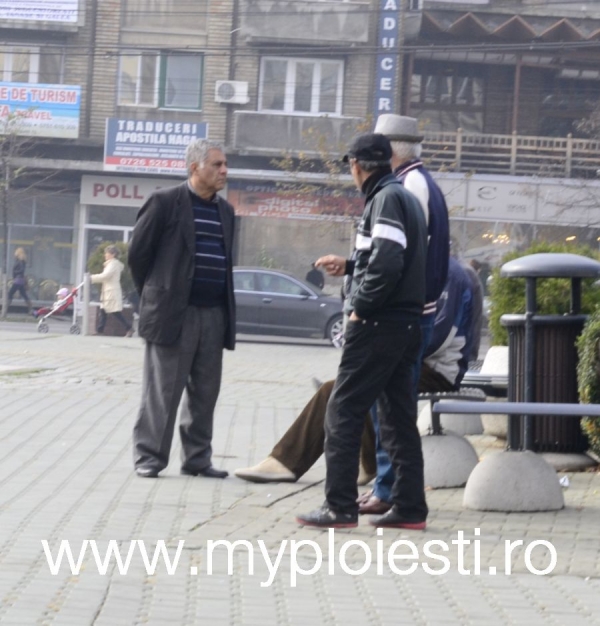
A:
(273, 302)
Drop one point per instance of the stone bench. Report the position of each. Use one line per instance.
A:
(448, 457)
(466, 394)
(533, 481)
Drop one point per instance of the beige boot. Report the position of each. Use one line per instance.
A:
(268, 471)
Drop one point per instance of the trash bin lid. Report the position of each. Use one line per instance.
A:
(551, 265)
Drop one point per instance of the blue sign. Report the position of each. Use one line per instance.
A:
(149, 147)
(39, 110)
(387, 58)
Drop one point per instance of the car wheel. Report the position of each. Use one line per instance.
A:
(335, 331)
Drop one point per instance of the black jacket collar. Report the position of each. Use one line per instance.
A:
(370, 184)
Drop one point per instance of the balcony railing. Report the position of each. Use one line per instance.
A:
(516, 155)
(509, 155)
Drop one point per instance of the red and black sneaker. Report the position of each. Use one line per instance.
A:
(325, 517)
(395, 519)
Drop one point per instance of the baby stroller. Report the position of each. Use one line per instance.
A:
(65, 299)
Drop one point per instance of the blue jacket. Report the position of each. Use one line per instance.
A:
(450, 346)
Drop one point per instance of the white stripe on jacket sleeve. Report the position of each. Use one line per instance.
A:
(384, 231)
(362, 242)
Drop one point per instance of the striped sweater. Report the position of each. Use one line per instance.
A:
(209, 286)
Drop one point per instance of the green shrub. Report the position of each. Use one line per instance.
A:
(588, 376)
(507, 295)
(95, 263)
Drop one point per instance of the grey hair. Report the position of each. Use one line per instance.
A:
(371, 166)
(406, 151)
(197, 151)
(112, 250)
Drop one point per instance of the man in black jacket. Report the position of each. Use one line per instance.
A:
(180, 257)
(382, 344)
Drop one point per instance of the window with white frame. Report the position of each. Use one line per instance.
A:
(168, 80)
(302, 86)
(26, 64)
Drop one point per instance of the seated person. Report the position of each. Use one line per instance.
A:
(445, 363)
(64, 299)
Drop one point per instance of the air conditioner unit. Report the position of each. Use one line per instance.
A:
(231, 91)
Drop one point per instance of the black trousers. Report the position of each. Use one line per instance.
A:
(103, 316)
(376, 365)
(22, 290)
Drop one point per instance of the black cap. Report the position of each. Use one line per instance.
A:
(369, 147)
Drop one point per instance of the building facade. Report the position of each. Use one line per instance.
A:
(111, 91)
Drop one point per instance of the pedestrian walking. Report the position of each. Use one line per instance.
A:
(19, 284)
(111, 295)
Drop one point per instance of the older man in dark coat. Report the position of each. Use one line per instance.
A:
(181, 262)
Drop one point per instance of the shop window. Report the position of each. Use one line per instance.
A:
(57, 210)
(302, 86)
(43, 224)
(26, 64)
(169, 80)
(113, 215)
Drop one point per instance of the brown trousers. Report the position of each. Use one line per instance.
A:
(302, 444)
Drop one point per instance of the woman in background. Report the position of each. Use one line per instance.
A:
(111, 298)
(19, 283)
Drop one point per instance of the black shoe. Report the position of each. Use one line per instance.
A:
(207, 472)
(146, 472)
(328, 518)
(394, 519)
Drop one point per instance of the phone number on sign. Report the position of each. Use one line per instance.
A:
(172, 163)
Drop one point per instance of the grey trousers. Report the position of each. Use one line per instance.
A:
(194, 364)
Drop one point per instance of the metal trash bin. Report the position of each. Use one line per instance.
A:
(543, 354)
(555, 377)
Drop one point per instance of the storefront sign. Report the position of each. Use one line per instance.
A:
(387, 58)
(120, 190)
(40, 10)
(263, 199)
(488, 198)
(149, 147)
(40, 110)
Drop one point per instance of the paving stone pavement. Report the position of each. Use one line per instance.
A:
(66, 411)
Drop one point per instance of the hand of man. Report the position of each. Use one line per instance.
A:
(354, 318)
(334, 265)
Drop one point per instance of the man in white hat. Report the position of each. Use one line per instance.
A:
(403, 133)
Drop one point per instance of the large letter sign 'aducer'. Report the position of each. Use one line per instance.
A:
(387, 57)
